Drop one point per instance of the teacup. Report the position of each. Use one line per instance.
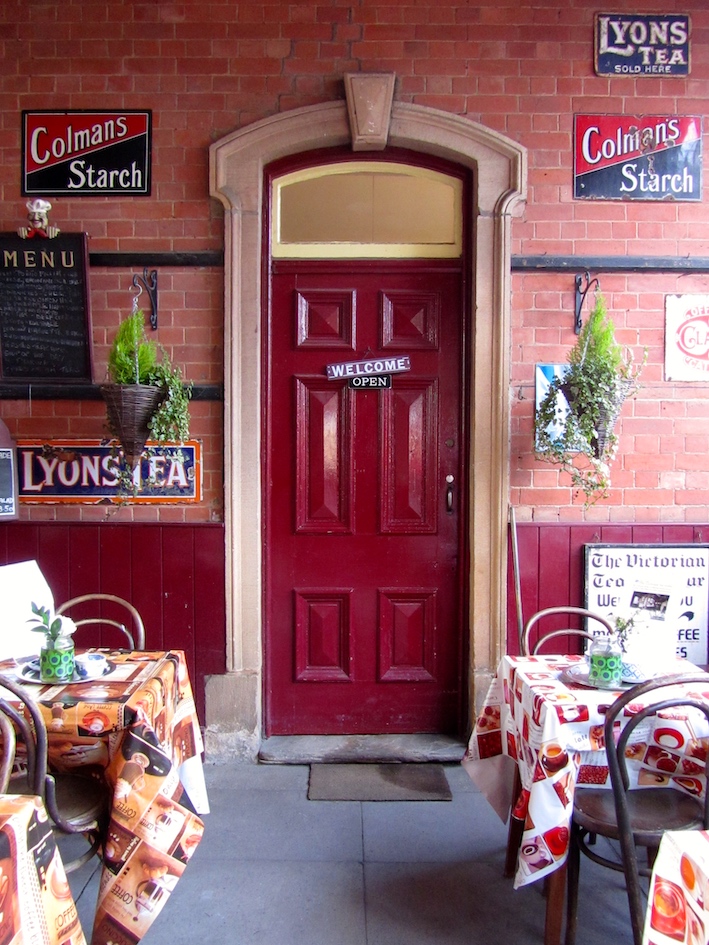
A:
(90, 665)
(668, 908)
(554, 758)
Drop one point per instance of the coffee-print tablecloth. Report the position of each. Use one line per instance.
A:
(137, 727)
(36, 905)
(678, 904)
(538, 713)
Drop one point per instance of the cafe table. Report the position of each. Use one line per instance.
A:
(136, 726)
(36, 904)
(541, 716)
(678, 903)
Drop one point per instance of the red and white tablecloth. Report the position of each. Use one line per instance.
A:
(537, 714)
(678, 904)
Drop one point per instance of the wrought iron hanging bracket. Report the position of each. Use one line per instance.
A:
(581, 293)
(149, 282)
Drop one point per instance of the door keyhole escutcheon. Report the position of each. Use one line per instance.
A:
(449, 494)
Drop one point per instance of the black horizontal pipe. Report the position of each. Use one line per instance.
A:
(118, 260)
(22, 391)
(610, 263)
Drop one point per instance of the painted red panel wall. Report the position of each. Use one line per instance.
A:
(551, 564)
(173, 574)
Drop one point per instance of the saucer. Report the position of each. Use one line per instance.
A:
(28, 671)
(578, 675)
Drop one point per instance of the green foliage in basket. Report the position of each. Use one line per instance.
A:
(135, 359)
(599, 378)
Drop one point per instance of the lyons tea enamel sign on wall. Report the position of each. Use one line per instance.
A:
(84, 153)
(638, 45)
(631, 157)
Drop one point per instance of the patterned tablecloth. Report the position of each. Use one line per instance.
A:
(539, 713)
(678, 904)
(137, 727)
(36, 905)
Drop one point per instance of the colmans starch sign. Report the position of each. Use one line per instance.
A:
(83, 153)
(649, 157)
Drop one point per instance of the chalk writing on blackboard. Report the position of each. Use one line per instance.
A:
(44, 309)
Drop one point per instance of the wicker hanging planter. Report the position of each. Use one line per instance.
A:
(129, 408)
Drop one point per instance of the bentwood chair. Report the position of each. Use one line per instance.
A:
(135, 636)
(75, 804)
(529, 649)
(635, 817)
(516, 825)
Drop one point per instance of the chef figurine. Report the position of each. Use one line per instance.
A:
(39, 221)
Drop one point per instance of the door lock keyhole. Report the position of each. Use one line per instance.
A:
(449, 494)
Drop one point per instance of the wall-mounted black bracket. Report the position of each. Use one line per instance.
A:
(149, 282)
(581, 294)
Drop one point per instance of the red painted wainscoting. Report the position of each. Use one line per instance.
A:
(173, 574)
(551, 563)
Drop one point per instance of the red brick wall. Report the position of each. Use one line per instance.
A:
(207, 68)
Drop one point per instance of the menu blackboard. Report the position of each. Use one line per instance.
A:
(44, 309)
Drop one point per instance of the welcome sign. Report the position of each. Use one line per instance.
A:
(648, 157)
(86, 153)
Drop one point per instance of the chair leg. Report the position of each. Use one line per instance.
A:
(555, 886)
(573, 869)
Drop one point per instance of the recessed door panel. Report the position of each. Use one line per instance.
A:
(364, 519)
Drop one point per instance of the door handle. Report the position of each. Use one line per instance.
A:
(449, 494)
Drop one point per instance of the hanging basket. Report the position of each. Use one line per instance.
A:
(129, 408)
(608, 418)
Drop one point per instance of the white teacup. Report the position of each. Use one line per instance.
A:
(90, 665)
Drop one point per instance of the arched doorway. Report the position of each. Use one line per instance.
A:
(235, 701)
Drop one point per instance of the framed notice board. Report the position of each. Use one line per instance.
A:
(668, 582)
(45, 324)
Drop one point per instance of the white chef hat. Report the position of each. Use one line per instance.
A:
(38, 205)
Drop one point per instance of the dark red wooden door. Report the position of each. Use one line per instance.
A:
(363, 502)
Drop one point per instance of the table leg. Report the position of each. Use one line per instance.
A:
(555, 893)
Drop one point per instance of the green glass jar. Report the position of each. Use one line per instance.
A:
(605, 665)
(56, 660)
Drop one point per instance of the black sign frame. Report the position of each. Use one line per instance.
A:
(120, 158)
(642, 45)
(45, 318)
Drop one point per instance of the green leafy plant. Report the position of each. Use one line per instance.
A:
(132, 358)
(623, 628)
(135, 359)
(599, 378)
(51, 627)
(171, 421)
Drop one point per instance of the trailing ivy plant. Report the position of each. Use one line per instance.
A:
(599, 378)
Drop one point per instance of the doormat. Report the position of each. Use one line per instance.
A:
(384, 782)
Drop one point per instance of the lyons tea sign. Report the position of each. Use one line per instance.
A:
(83, 153)
(649, 157)
(638, 45)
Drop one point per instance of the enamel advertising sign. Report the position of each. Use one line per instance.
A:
(85, 471)
(649, 157)
(687, 338)
(639, 45)
(86, 154)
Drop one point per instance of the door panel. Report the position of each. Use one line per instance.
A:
(363, 554)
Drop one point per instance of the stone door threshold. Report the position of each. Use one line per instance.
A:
(314, 749)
